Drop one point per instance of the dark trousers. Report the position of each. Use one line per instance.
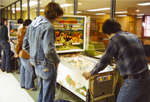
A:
(5, 47)
(0, 51)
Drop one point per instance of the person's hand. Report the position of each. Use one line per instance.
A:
(56, 65)
(86, 75)
(16, 56)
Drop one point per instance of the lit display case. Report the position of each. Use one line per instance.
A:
(12, 32)
(12, 28)
(70, 34)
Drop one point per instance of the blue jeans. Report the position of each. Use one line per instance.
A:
(26, 74)
(5, 47)
(47, 80)
(135, 90)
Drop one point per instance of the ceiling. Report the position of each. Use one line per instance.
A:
(121, 5)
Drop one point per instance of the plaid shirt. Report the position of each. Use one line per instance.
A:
(128, 52)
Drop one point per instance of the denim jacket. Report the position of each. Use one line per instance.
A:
(39, 41)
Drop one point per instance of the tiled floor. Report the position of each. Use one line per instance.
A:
(10, 90)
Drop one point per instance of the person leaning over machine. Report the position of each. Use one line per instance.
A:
(128, 52)
(39, 42)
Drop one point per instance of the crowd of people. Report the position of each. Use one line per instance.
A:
(36, 50)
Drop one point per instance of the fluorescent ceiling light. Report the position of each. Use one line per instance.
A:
(80, 3)
(32, 3)
(120, 12)
(65, 5)
(139, 17)
(140, 14)
(144, 4)
(99, 9)
(41, 10)
(121, 15)
(137, 10)
(100, 13)
(18, 9)
(77, 12)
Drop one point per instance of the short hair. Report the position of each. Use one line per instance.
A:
(27, 22)
(111, 26)
(53, 10)
(20, 21)
(2, 21)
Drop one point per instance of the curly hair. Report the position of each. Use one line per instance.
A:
(111, 26)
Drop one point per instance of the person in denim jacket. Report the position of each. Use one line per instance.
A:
(39, 41)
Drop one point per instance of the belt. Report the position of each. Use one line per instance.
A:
(142, 75)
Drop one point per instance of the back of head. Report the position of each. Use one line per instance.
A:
(27, 22)
(20, 21)
(111, 26)
(2, 21)
(52, 11)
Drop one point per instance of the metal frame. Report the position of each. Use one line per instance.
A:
(113, 8)
(75, 7)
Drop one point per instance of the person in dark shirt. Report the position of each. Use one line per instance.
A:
(128, 52)
(5, 46)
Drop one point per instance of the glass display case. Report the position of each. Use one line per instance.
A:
(70, 73)
(12, 32)
(12, 28)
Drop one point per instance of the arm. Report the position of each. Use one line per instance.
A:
(20, 37)
(48, 39)
(25, 44)
(104, 61)
(106, 58)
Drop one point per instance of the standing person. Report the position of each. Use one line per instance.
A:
(129, 54)
(5, 46)
(26, 70)
(40, 42)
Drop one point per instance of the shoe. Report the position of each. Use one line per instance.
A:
(3, 70)
(23, 87)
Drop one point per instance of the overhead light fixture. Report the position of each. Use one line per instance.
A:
(66, 5)
(100, 13)
(41, 10)
(77, 12)
(80, 3)
(121, 15)
(31, 3)
(144, 4)
(121, 12)
(139, 17)
(140, 14)
(137, 10)
(17, 9)
(99, 9)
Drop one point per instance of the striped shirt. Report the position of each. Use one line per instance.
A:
(128, 52)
